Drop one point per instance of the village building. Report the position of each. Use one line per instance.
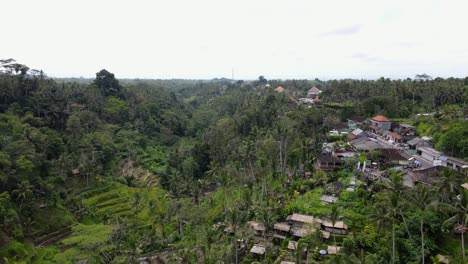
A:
(341, 127)
(329, 163)
(432, 155)
(381, 122)
(456, 164)
(301, 231)
(259, 229)
(279, 89)
(258, 249)
(355, 121)
(313, 92)
(339, 228)
(426, 176)
(344, 154)
(299, 220)
(407, 130)
(294, 246)
(356, 133)
(281, 230)
(465, 185)
(418, 142)
(328, 199)
(365, 144)
(392, 156)
(332, 250)
(392, 137)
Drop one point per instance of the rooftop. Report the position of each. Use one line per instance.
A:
(415, 141)
(431, 151)
(333, 249)
(279, 89)
(393, 135)
(258, 249)
(293, 245)
(356, 118)
(282, 227)
(338, 224)
(357, 131)
(256, 226)
(380, 118)
(301, 232)
(328, 199)
(392, 154)
(301, 218)
(456, 160)
(314, 90)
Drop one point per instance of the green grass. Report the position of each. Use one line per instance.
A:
(308, 203)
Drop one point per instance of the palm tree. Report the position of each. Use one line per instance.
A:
(247, 200)
(23, 193)
(233, 220)
(224, 181)
(396, 187)
(334, 216)
(422, 200)
(459, 216)
(448, 185)
(387, 213)
(266, 217)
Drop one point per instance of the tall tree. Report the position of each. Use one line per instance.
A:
(107, 83)
(458, 210)
(422, 199)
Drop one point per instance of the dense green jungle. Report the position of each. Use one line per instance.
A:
(202, 171)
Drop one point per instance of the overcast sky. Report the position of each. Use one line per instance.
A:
(208, 38)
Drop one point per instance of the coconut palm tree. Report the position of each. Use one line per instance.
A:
(387, 213)
(422, 200)
(23, 193)
(458, 210)
(448, 185)
(233, 219)
(334, 216)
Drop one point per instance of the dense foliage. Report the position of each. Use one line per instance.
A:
(111, 170)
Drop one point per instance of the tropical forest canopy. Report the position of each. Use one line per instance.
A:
(111, 171)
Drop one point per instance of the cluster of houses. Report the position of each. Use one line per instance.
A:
(312, 97)
(295, 227)
(387, 144)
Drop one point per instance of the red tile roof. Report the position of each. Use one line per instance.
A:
(352, 136)
(373, 127)
(279, 89)
(394, 135)
(380, 118)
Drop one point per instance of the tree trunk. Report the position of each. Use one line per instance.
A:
(225, 201)
(334, 235)
(422, 238)
(406, 226)
(393, 241)
(237, 254)
(463, 244)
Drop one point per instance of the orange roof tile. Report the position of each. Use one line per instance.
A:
(394, 135)
(279, 89)
(380, 118)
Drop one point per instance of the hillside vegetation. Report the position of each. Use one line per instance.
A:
(115, 171)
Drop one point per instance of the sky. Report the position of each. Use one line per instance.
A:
(204, 39)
